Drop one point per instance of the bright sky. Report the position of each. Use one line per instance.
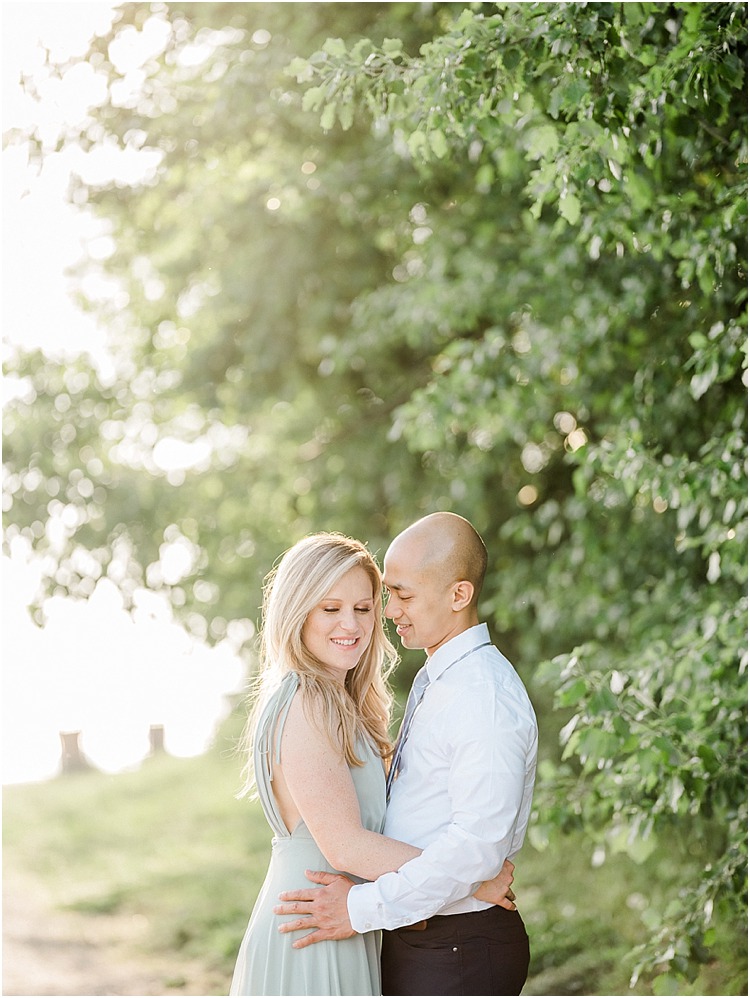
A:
(42, 233)
(93, 668)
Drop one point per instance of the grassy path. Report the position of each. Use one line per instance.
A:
(141, 884)
(47, 951)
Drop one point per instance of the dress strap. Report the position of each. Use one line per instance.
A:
(268, 742)
(282, 716)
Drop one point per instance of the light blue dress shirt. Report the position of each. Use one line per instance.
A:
(464, 788)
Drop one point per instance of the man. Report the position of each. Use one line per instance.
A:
(464, 776)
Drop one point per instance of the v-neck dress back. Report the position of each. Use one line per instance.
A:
(267, 964)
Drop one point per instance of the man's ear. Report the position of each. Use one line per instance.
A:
(463, 593)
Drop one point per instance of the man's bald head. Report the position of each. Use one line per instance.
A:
(447, 545)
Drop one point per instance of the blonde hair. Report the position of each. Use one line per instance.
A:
(362, 705)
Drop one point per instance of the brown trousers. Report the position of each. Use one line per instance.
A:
(477, 953)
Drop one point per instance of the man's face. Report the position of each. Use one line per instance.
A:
(419, 600)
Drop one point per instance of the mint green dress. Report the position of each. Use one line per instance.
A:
(267, 964)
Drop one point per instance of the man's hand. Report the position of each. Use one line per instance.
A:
(498, 891)
(322, 908)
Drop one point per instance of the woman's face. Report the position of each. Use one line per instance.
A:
(339, 629)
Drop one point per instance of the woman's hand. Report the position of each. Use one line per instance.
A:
(497, 891)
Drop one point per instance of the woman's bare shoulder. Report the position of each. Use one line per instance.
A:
(301, 724)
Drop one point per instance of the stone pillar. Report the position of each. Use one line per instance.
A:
(73, 759)
(156, 738)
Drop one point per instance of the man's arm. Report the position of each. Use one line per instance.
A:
(488, 784)
(326, 909)
(323, 908)
(490, 746)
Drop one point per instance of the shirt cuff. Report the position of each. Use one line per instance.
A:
(359, 905)
(368, 910)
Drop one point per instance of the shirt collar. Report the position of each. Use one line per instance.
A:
(447, 654)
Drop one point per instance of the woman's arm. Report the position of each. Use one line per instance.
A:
(313, 783)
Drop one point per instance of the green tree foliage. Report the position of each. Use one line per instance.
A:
(485, 257)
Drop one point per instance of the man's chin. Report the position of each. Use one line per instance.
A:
(407, 640)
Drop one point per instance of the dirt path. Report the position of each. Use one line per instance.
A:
(47, 951)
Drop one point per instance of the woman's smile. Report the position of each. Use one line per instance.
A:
(339, 629)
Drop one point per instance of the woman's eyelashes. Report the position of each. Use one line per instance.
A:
(357, 609)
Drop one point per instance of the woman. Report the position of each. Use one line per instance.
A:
(317, 745)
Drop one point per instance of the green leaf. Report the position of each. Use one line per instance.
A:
(602, 702)
(418, 144)
(570, 208)
(361, 50)
(701, 382)
(666, 984)
(438, 143)
(639, 190)
(542, 142)
(328, 117)
(465, 20)
(485, 176)
(393, 46)
(335, 47)
(634, 841)
(572, 695)
(568, 97)
(346, 113)
(312, 99)
(301, 69)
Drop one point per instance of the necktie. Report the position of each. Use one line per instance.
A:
(417, 692)
(420, 684)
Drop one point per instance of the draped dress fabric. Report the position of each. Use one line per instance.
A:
(267, 964)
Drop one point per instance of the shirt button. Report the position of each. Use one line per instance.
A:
(455, 949)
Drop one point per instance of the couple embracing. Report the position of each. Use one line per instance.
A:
(426, 830)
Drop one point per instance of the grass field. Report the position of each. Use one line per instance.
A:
(171, 845)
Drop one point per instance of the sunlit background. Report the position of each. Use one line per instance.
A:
(123, 681)
(529, 309)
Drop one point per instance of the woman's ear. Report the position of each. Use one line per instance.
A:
(463, 593)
